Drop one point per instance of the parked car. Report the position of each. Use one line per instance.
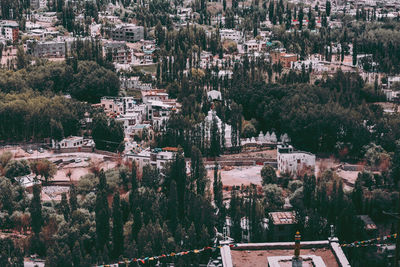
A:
(30, 151)
(77, 160)
(41, 150)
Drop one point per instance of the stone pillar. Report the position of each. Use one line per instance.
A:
(297, 261)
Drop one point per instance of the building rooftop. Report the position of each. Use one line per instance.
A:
(315, 253)
(368, 222)
(259, 258)
(286, 217)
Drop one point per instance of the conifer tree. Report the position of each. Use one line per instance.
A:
(73, 202)
(64, 207)
(217, 187)
(198, 171)
(36, 210)
(118, 231)
(102, 213)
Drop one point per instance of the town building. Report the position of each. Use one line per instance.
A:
(53, 49)
(252, 46)
(214, 95)
(38, 4)
(282, 225)
(285, 59)
(135, 84)
(119, 52)
(154, 95)
(117, 105)
(228, 34)
(47, 17)
(128, 33)
(9, 30)
(292, 161)
(321, 253)
(393, 80)
(73, 144)
(156, 158)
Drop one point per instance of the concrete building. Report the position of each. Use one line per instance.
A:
(117, 105)
(48, 17)
(292, 161)
(128, 33)
(154, 95)
(282, 225)
(73, 144)
(119, 51)
(134, 83)
(321, 253)
(228, 34)
(53, 49)
(38, 4)
(9, 30)
(156, 158)
(278, 56)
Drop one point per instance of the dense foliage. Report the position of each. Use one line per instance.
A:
(85, 81)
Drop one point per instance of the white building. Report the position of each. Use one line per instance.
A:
(227, 34)
(38, 4)
(226, 133)
(155, 158)
(73, 144)
(292, 161)
(392, 80)
(118, 105)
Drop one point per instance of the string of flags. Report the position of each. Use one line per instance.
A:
(364, 243)
(370, 242)
(172, 254)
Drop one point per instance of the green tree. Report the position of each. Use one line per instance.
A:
(198, 171)
(73, 201)
(64, 207)
(117, 231)
(268, 175)
(44, 168)
(92, 81)
(273, 197)
(395, 170)
(172, 210)
(107, 134)
(217, 188)
(7, 195)
(77, 254)
(17, 168)
(309, 190)
(150, 177)
(328, 8)
(102, 213)
(355, 51)
(36, 210)
(22, 60)
(215, 136)
(134, 182)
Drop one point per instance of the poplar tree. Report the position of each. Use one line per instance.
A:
(36, 210)
(102, 213)
(198, 171)
(217, 187)
(117, 231)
